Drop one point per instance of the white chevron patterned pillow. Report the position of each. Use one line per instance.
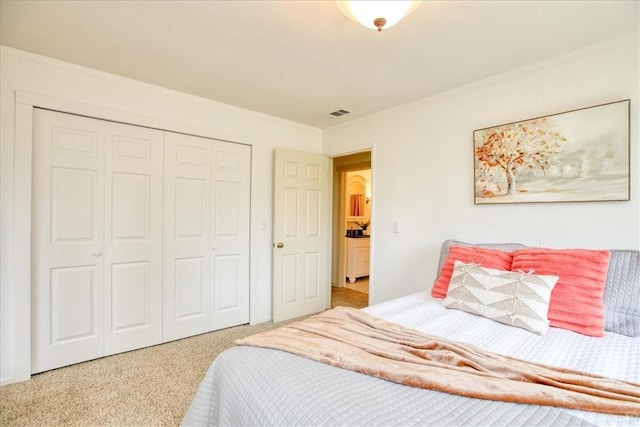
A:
(509, 297)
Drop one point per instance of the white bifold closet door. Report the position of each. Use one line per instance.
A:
(97, 238)
(206, 235)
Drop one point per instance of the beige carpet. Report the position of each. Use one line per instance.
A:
(149, 387)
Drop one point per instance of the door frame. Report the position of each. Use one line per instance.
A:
(339, 249)
(20, 246)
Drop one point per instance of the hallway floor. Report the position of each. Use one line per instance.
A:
(353, 295)
(361, 285)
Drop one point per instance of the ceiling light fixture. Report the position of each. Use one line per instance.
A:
(377, 14)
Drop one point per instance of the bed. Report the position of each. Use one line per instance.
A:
(249, 385)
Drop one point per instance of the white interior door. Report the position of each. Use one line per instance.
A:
(206, 240)
(133, 237)
(97, 231)
(301, 233)
(68, 261)
(230, 220)
(187, 253)
(136, 239)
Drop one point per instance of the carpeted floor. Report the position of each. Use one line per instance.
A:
(149, 387)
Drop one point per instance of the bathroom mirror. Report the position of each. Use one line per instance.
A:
(356, 187)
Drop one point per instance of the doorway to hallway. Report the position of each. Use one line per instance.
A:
(352, 207)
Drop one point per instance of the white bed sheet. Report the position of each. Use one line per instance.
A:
(255, 386)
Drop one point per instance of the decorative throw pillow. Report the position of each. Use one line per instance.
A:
(504, 246)
(577, 299)
(490, 258)
(509, 297)
(622, 293)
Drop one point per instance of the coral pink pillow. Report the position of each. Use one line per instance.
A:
(489, 258)
(577, 302)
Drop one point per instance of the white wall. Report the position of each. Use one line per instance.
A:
(423, 166)
(32, 79)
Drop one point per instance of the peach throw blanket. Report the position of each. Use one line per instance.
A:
(352, 339)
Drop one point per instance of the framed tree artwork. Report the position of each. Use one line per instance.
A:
(575, 156)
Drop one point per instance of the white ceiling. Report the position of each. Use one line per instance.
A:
(300, 60)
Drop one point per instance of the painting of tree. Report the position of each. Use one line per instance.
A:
(579, 155)
(523, 145)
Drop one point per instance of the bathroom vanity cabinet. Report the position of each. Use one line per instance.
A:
(357, 257)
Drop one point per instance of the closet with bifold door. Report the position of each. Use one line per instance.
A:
(139, 236)
(206, 235)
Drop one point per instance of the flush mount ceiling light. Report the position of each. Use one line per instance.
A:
(377, 14)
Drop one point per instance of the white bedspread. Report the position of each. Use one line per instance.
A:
(255, 386)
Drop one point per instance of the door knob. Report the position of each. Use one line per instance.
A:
(97, 253)
(280, 245)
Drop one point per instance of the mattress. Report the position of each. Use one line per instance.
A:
(257, 386)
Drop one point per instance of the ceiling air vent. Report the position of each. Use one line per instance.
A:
(339, 113)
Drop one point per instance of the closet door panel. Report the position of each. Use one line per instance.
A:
(130, 297)
(72, 303)
(68, 213)
(190, 286)
(186, 266)
(190, 209)
(230, 234)
(131, 194)
(133, 237)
